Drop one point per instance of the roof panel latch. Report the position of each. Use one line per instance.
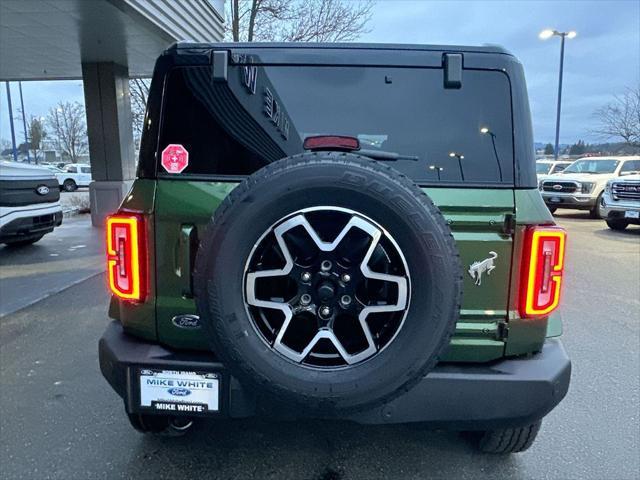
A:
(220, 61)
(452, 63)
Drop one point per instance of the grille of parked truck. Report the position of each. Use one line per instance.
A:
(581, 185)
(29, 203)
(621, 202)
(337, 231)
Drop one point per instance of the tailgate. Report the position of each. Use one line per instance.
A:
(476, 216)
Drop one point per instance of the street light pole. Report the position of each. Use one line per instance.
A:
(437, 169)
(486, 131)
(460, 157)
(556, 152)
(24, 124)
(545, 34)
(13, 132)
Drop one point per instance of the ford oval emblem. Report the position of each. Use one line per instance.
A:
(189, 322)
(42, 190)
(557, 187)
(179, 392)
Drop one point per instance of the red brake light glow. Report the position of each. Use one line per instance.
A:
(543, 269)
(331, 142)
(125, 263)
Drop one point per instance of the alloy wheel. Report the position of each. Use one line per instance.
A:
(327, 287)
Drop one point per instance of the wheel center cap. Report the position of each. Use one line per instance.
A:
(326, 291)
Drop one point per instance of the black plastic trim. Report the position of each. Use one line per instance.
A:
(506, 393)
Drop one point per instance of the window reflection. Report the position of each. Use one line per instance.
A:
(263, 113)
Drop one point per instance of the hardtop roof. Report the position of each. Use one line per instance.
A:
(488, 49)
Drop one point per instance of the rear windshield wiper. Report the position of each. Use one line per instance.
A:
(350, 144)
(386, 156)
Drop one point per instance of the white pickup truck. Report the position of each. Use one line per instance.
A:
(73, 176)
(581, 185)
(29, 203)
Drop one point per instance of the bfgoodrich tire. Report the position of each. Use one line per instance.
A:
(509, 440)
(414, 249)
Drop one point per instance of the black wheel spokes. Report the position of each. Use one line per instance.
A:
(313, 304)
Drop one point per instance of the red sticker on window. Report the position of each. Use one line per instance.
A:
(175, 158)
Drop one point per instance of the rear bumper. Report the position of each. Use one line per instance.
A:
(510, 392)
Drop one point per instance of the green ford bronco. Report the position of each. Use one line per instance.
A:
(337, 231)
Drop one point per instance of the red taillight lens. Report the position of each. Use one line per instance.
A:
(125, 262)
(543, 268)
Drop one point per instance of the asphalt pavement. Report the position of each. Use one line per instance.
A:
(73, 252)
(60, 419)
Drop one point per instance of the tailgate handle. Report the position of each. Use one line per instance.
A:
(187, 247)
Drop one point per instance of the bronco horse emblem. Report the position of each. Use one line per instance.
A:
(476, 269)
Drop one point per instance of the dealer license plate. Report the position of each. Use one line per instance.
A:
(179, 391)
(631, 214)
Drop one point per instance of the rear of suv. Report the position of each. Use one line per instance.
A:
(337, 231)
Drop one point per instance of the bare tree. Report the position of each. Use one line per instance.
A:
(621, 118)
(297, 20)
(37, 134)
(69, 128)
(139, 91)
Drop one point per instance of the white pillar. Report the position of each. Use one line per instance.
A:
(111, 150)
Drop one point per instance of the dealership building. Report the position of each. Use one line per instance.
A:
(104, 43)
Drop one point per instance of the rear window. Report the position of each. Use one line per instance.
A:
(630, 166)
(263, 113)
(543, 167)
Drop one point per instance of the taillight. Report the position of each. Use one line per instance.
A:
(125, 259)
(543, 268)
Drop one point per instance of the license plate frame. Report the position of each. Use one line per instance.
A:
(178, 392)
(634, 214)
(555, 200)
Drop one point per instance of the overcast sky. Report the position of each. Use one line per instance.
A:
(601, 61)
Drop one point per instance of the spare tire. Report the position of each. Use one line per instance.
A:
(328, 281)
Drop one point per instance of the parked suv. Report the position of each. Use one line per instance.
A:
(621, 202)
(549, 167)
(581, 185)
(29, 206)
(302, 228)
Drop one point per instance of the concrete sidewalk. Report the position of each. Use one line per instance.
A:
(71, 254)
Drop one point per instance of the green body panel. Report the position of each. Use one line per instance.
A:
(526, 335)
(489, 326)
(180, 204)
(476, 218)
(554, 325)
(139, 318)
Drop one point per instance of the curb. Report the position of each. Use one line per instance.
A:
(70, 212)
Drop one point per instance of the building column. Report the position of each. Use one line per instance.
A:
(111, 149)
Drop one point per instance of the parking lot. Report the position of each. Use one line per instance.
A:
(60, 419)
